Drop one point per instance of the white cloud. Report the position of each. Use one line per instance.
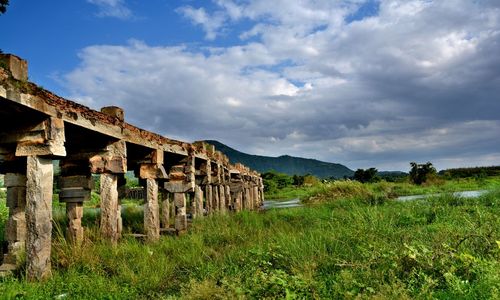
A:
(112, 8)
(211, 23)
(419, 80)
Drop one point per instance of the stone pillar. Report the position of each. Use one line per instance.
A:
(208, 198)
(197, 202)
(222, 198)
(256, 197)
(74, 191)
(198, 194)
(38, 217)
(15, 229)
(215, 198)
(247, 199)
(151, 211)
(238, 201)
(74, 211)
(180, 212)
(110, 218)
(165, 210)
(227, 191)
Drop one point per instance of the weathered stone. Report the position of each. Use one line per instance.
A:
(80, 181)
(74, 212)
(208, 198)
(179, 186)
(14, 180)
(222, 198)
(256, 196)
(152, 171)
(16, 197)
(215, 198)
(15, 227)
(228, 197)
(197, 205)
(109, 207)
(180, 212)
(114, 111)
(165, 210)
(38, 217)
(17, 66)
(151, 211)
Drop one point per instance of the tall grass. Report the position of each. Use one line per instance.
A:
(352, 247)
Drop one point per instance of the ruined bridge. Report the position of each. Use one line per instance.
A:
(38, 127)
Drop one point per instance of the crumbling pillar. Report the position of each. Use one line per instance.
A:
(151, 211)
(180, 212)
(227, 191)
(165, 209)
(15, 228)
(247, 198)
(74, 191)
(222, 198)
(215, 198)
(38, 217)
(181, 180)
(256, 197)
(197, 203)
(209, 198)
(110, 216)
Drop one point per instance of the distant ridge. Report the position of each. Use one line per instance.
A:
(284, 164)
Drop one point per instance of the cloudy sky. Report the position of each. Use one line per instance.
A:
(363, 83)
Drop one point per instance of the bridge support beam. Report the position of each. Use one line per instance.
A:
(151, 211)
(181, 181)
(75, 189)
(38, 217)
(15, 229)
(209, 198)
(165, 209)
(110, 208)
(197, 204)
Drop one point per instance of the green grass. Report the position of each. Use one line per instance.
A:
(352, 243)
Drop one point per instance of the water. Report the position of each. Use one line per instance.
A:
(268, 204)
(465, 194)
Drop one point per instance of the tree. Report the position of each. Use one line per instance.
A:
(368, 175)
(3, 6)
(420, 173)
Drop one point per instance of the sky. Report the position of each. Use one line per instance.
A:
(365, 83)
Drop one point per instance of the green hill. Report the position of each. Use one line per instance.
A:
(285, 164)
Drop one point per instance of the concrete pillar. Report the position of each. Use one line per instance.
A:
(151, 211)
(165, 210)
(180, 212)
(110, 218)
(38, 217)
(15, 229)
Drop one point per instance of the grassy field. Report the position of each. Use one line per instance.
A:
(349, 242)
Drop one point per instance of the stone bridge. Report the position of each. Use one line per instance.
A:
(38, 128)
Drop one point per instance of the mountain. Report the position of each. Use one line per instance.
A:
(284, 164)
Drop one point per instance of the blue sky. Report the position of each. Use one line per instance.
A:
(364, 83)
